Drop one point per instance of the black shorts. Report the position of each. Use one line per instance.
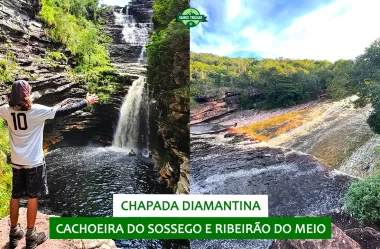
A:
(29, 182)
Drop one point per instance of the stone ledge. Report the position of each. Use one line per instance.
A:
(42, 224)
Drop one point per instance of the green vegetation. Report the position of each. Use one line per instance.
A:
(339, 85)
(7, 68)
(366, 79)
(56, 56)
(170, 39)
(267, 83)
(5, 170)
(76, 24)
(169, 47)
(273, 83)
(362, 199)
(168, 80)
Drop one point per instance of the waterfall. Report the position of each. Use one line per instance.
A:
(142, 55)
(132, 129)
(134, 34)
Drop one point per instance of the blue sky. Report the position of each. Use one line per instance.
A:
(298, 29)
(114, 2)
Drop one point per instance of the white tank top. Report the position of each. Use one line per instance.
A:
(26, 133)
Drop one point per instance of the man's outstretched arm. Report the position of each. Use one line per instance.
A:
(64, 111)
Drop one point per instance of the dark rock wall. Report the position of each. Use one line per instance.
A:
(24, 36)
(141, 10)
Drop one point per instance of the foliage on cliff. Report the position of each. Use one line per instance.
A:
(366, 79)
(267, 83)
(362, 199)
(76, 24)
(5, 170)
(170, 41)
(168, 81)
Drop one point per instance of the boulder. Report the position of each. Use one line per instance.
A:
(339, 240)
(367, 238)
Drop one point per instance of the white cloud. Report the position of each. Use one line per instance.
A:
(223, 47)
(340, 30)
(234, 8)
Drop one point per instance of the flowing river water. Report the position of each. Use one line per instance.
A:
(303, 157)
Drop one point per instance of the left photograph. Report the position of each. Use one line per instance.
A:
(94, 101)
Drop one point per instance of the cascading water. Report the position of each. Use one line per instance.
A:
(142, 55)
(133, 126)
(132, 129)
(134, 34)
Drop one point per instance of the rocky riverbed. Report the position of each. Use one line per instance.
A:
(303, 157)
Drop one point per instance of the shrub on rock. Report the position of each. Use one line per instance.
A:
(362, 199)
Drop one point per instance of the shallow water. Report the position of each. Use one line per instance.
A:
(205, 128)
(296, 183)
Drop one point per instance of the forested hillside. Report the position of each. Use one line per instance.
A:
(275, 83)
(267, 83)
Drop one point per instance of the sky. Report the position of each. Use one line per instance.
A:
(296, 29)
(114, 2)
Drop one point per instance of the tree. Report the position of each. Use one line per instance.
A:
(339, 85)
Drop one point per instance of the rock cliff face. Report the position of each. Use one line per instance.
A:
(214, 107)
(141, 10)
(24, 37)
(176, 133)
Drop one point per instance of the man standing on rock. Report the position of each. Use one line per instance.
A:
(25, 124)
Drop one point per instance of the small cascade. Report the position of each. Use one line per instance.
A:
(142, 56)
(132, 129)
(134, 34)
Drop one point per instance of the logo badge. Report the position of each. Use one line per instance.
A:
(191, 17)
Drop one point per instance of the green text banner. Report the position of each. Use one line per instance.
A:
(190, 228)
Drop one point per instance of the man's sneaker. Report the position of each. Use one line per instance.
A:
(15, 235)
(35, 239)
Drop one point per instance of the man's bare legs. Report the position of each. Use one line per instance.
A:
(15, 206)
(32, 212)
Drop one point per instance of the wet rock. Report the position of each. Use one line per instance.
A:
(209, 111)
(183, 185)
(132, 153)
(42, 224)
(180, 117)
(166, 171)
(141, 10)
(179, 108)
(367, 238)
(297, 184)
(230, 134)
(339, 240)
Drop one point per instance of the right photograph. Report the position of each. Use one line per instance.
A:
(285, 102)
